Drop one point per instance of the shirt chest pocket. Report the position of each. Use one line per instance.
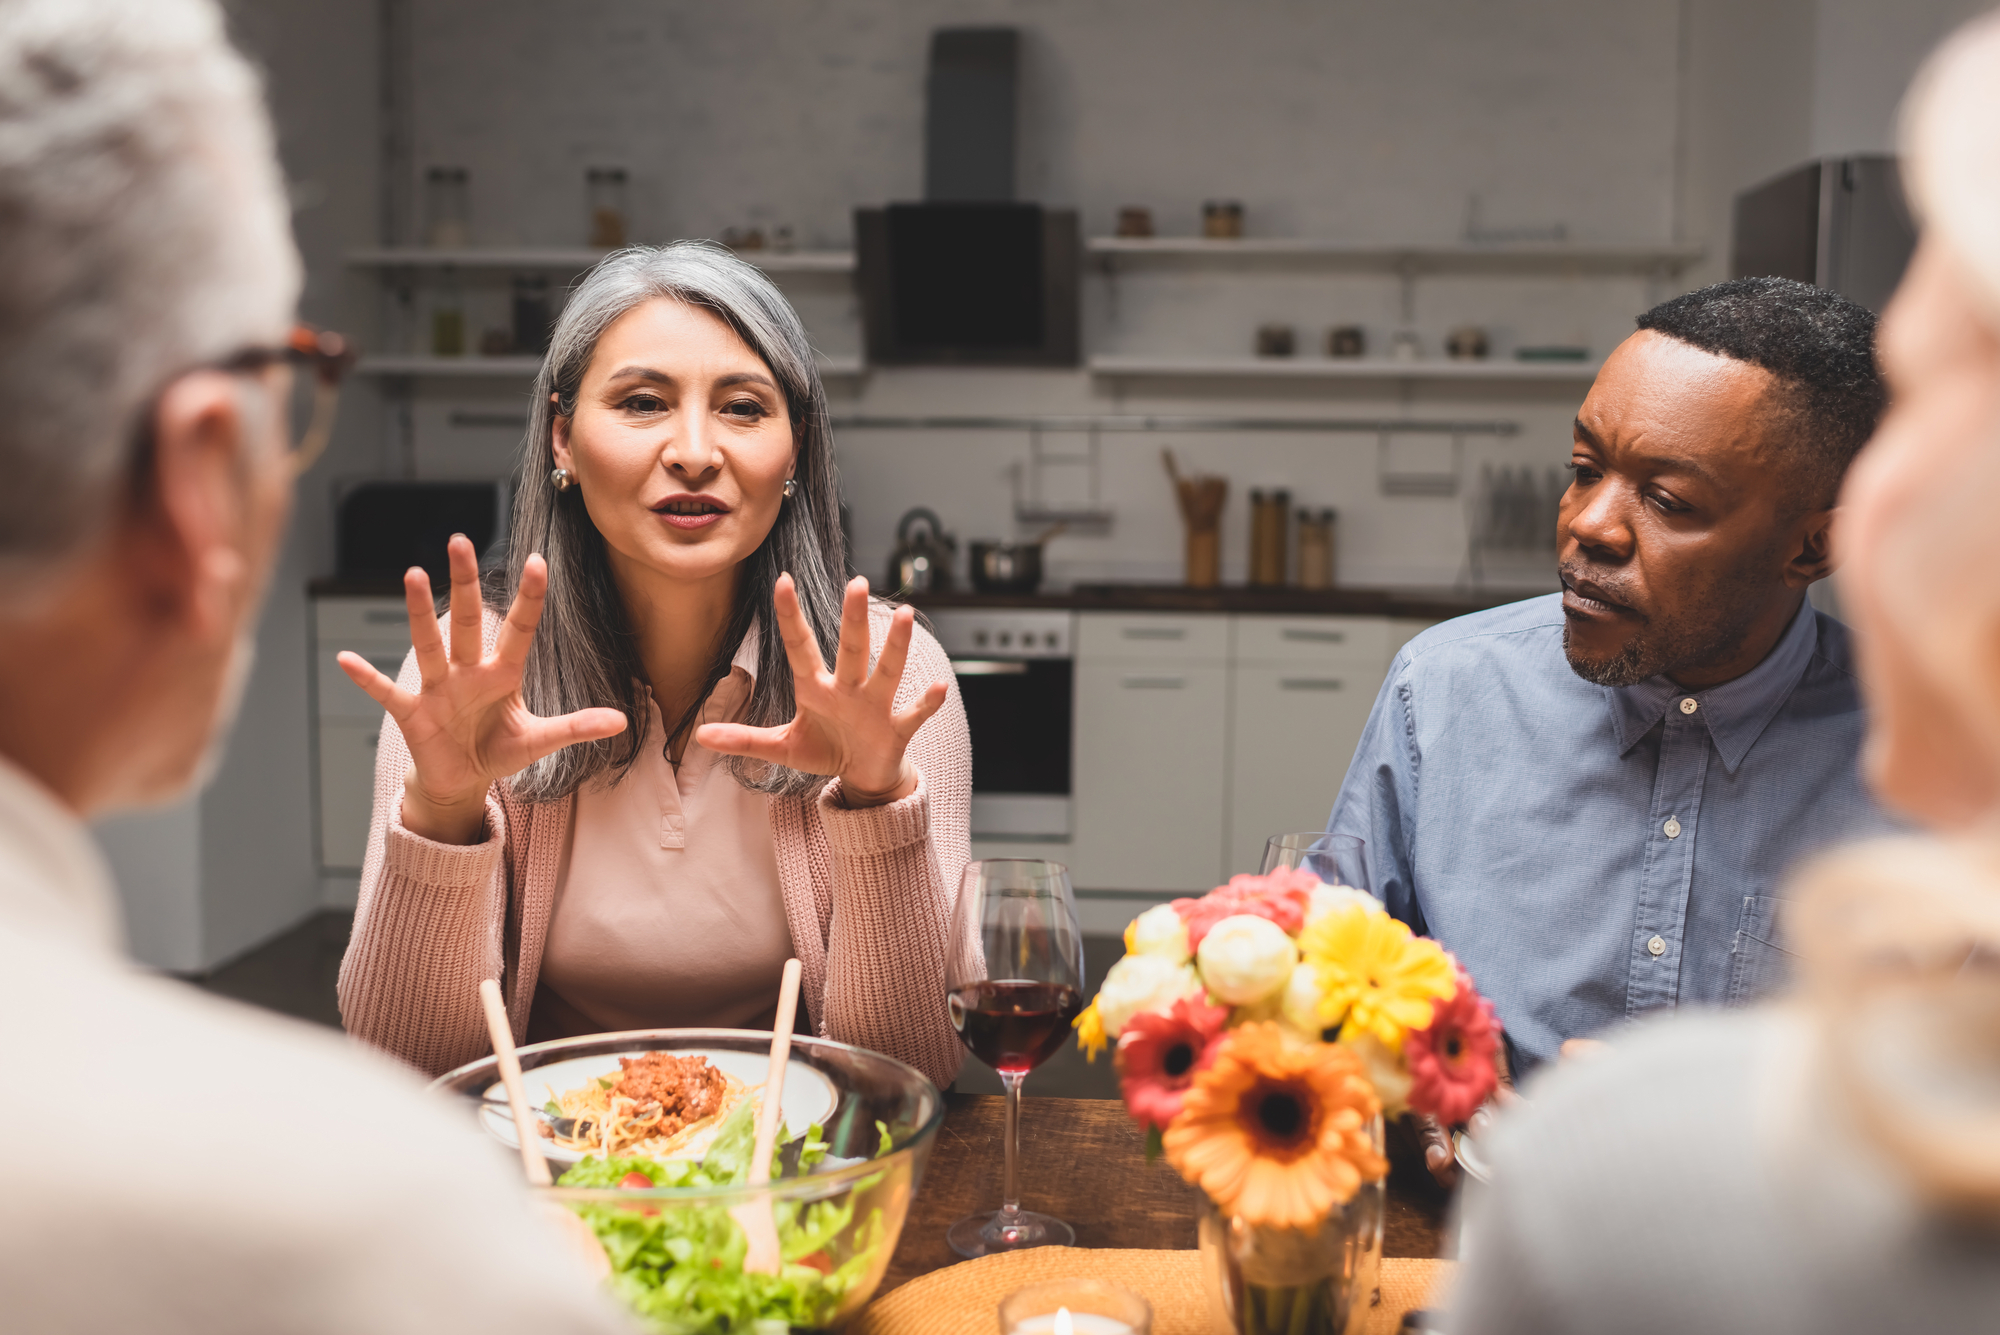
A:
(1758, 965)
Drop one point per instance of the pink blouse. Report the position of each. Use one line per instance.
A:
(668, 908)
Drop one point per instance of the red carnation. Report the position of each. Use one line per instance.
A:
(1451, 1063)
(1158, 1056)
(1283, 897)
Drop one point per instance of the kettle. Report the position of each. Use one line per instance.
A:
(924, 552)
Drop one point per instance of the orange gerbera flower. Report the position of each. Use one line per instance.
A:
(1276, 1131)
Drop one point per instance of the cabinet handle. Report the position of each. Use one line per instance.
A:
(1153, 632)
(1298, 635)
(1310, 684)
(1153, 683)
(382, 616)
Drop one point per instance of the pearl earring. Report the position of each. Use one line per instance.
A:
(791, 487)
(561, 480)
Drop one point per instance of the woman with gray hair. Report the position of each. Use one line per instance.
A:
(637, 794)
(1832, 1163)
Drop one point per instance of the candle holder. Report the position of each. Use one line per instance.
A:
(1075, 1307)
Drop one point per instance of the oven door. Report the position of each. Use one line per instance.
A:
(1019, 713)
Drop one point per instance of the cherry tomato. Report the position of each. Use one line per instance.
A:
(819, 1261)
(636, 1182)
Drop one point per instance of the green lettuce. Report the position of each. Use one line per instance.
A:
(681, 1268)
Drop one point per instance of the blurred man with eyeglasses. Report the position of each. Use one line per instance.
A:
(170, 1162)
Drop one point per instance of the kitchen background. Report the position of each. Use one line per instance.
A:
(1608, 138)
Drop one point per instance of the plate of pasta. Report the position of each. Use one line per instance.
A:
(656, 1104)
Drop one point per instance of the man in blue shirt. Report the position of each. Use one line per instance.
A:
(1592, 797)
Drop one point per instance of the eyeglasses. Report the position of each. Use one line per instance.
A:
(327, 353)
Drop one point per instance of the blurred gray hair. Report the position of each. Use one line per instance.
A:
(143, 230)
(584, 654)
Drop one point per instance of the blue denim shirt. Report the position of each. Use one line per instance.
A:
(1592, 853)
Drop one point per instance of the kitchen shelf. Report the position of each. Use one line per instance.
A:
(1545, 257)
(1327, 368)
(574, 260)
(522, 368)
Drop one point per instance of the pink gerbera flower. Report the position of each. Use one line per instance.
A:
(1451, 1062)
(1283, 897)
(1158, 1056)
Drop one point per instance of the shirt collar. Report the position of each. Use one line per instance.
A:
(727, 698)
(52, 875)
(1736, 712)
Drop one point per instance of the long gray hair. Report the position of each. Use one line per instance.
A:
(585, 653)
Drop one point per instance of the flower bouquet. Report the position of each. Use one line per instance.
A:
(1262, 1033)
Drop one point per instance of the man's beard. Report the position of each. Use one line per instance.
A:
(1652, 650)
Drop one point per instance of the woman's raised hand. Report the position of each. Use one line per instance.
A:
(847, 722)
(469, 725)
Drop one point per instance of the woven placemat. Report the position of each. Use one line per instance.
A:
(963, 1299)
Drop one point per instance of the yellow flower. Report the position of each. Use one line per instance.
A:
(1277, 1132)
(1090, 1036)
(1374, 975)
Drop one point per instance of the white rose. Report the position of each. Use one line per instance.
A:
(1385, 1070)
(1326, 898)
(1158, 931)
(1142, 983)
(1244, 959)
(1298, 1004)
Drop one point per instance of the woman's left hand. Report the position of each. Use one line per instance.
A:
(847, 722)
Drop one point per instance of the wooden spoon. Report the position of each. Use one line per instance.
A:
(754, 1216)
(578, 1236)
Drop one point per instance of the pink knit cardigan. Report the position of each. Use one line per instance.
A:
(868, 896)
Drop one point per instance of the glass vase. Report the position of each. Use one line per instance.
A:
(1294, 1281)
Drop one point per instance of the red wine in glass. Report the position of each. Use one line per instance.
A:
(1014, 1025)
(1013, 982)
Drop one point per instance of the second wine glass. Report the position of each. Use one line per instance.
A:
(1337, 859)
(1013, 982)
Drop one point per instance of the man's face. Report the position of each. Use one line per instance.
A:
(1672, 540)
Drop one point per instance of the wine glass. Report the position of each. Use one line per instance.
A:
(1337, 859)
(1013, 982)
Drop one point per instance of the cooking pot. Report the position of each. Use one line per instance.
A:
(1009, 567)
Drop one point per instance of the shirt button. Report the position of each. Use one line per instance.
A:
(1689, 705)
(1657, 946)
(1673, 829)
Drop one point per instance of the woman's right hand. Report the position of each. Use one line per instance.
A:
(469, 725)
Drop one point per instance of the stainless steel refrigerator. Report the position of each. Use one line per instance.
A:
(1838, 223)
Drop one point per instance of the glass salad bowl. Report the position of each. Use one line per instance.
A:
(858, 1128)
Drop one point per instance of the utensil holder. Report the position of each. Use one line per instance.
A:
(1204, 558)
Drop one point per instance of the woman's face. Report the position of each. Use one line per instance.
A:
(681, 444)
(1919, 540)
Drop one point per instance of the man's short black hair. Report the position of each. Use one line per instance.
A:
(1820, 348)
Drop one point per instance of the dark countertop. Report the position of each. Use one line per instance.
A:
(1422, 604)
(1419, 604)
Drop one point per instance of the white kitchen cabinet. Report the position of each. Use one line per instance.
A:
(1293, 728)
(1150, 772)
(346, 723)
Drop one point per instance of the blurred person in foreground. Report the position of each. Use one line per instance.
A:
(171, 1162)
(1830, 1163)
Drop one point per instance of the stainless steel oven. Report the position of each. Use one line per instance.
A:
(1016, 672)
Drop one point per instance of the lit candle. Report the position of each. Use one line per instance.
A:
(1075, 1307)
(1065, 1322)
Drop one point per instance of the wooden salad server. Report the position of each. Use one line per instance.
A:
(577, 1235)
(754, 1216)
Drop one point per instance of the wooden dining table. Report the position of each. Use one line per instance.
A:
(1083, 1161)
